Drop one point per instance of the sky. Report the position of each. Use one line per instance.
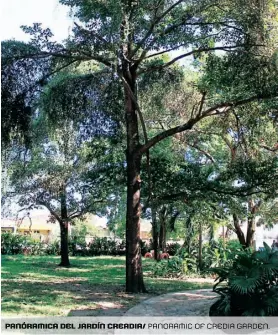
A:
(50, 13)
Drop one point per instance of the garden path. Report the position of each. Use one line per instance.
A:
(188, 303)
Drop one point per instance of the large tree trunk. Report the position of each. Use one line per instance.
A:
(162, 229)
(238, 230)
(155, 234)
(189, 235)
(162, 236)
(134, 273)
(200, 258)
(64, 230)
(251, 224)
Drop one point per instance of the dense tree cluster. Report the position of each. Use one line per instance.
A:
(169, 104)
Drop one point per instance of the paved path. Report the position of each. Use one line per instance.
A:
(193, 302)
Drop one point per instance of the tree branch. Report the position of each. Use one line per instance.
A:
(180, 46)
(153, 25)
(52, 212)
(174, 60)
(137, 107)
(225, 106)
(273, 149)
(208, 155)
(85, 210)
(84, 30)
(68, 54)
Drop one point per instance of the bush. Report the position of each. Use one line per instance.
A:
(220, 253)
(34, 247)
(250, 285)
(104, 246)
(53, 248)
(173, 267)
(172, 248)
(179, 265)
(77, 246)
(13, 244)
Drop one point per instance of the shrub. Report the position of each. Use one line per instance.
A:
(219, 253)
(172, 248)
(250, 285)
(13, 244)
(173, 267)
(77, 246)
(34, 247)
(53, 248)
(104, 246)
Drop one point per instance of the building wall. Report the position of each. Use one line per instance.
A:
(7, 229)
(36, 234)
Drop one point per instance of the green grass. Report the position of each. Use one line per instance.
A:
(35, 285)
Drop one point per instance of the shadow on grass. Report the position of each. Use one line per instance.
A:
(35, 285)
(59, 298)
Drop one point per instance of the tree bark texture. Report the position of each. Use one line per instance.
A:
(251, 224)
(162, 229)
(189, 235)
(200, 258)
(64, 230)
(134, 272)
(238, 230)
(155, 234)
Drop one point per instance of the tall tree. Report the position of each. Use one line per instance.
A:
(60, 174)
(126, 36)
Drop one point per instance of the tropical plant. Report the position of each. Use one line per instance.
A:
(249, 287)
(173, 267)
(220, 253)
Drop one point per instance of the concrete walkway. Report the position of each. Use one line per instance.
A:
(194, 303)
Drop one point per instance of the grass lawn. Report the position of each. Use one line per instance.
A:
(35, 285)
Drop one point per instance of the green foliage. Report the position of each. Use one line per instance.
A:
(104, 246)
(53, 248)
(183, 263)
(93, 95)
(13, 244)
(248, 287)
(172, 248)
(173, 267)
(18, 88)
(220, 253)
(177, 266)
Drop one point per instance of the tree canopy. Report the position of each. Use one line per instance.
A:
(126, 52)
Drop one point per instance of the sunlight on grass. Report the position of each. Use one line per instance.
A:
(36, 285)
